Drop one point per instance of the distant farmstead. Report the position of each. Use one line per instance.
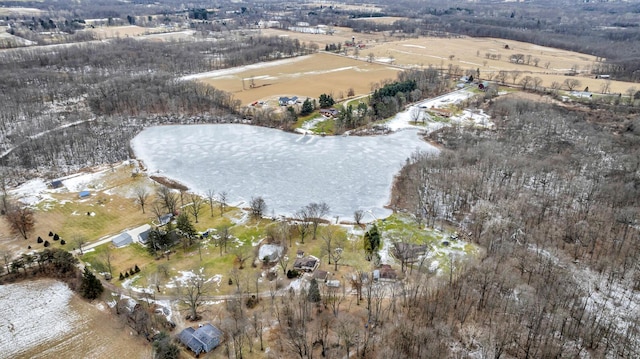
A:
(287, 101)
(202, 339)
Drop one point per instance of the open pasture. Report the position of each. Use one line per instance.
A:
(307, 76)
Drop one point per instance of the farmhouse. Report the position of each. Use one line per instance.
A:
(122, 240)
(286, 101)
(164, 219)
(306, 264)
(202, 339)
(329, 112)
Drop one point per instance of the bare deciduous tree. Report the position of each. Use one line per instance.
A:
(21, 220)
(223, 197)
(195, 206)
(334, 241)
(168, 198)
(358, 216)
(258, 207)
(316, 211)
(142, 195)
(210, 198)
(571, 84)
(192, 291)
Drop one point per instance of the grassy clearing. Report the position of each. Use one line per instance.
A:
(327, 126)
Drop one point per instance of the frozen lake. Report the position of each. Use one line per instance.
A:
(288, 170)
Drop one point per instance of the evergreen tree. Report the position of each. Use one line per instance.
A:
(164, 348)
(326, 101)
(314, 291)
(372, 242)
(121, 276)
(91, 287)
(136, 269)
(307, 107)
(183, 223)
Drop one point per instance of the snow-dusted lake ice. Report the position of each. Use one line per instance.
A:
(288, 170)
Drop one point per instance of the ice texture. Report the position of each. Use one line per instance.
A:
(288, 170)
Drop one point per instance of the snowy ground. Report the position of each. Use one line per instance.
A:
(288, 170)
(32, 313)
(403, 120)
(37, 190)
(235, 70)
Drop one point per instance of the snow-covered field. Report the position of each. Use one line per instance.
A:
(288, 170)
(403, 119)
(33, 313)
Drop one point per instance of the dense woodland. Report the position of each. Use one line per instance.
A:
(62, 104)
(552, 195)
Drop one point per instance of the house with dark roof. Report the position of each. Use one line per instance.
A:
(164, 219)
(329, 112)
(306, 264)
(56, 184)
(122, 240)
(287, 101)
(205, 338)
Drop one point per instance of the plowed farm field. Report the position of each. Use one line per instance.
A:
(44, 319)
(306, 76)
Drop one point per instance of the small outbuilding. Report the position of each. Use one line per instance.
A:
(202, 339)
(84, 194)
(122, 240)
(56, 184)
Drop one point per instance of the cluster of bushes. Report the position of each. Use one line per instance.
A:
(129, 273)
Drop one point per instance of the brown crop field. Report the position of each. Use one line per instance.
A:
(485, 54)
(49, 321)
(307, 76)
(107, 32)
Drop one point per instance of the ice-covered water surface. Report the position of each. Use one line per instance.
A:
(288, 170)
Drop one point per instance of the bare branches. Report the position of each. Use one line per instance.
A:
(195, 206)
(141, 195)
(21, 220)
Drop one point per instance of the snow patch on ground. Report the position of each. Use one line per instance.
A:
(33, 313)
(240, 69)
(402, 120)
(82, 181)
(32, 192)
